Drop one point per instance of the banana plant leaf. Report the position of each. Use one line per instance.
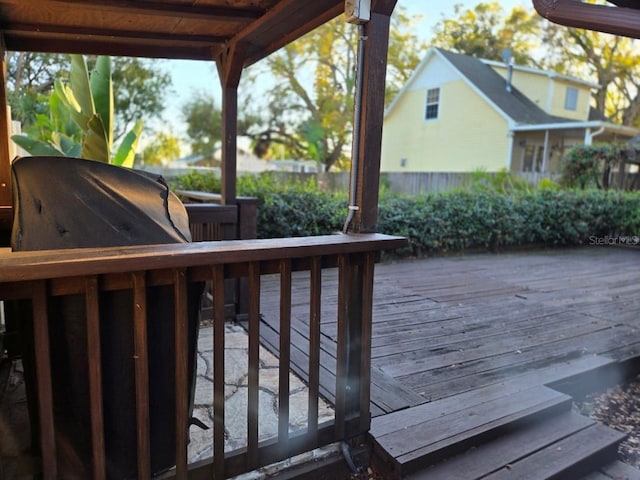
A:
(36, 147)
(126, 153)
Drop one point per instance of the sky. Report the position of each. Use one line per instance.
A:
(193, 76)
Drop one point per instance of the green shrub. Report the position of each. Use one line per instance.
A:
(474, 219)
(589, 166)
(198, 181)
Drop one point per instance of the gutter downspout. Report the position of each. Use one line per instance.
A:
(588, 136)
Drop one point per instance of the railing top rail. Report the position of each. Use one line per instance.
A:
(210, 197)
(200, 196)
(39, 265)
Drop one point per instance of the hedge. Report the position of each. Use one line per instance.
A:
(464, 220)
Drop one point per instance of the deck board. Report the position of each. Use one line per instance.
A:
(446, 328)
(504, 450)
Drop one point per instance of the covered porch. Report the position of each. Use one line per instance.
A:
(540, 148)
(234, 34)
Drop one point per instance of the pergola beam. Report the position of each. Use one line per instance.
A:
(571, 13)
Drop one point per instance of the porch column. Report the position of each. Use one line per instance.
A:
(545, 153)
(587, 137)
(371, 117)
(230, 65)
(5, 160)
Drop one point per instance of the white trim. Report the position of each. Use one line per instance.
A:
(474, 87)
(510, 151)
(545, 153)
(430, 53)
(411, 80)
(567, 125)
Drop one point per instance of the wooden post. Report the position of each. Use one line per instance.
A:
(5, 160)
(371, 117)
(230, 65)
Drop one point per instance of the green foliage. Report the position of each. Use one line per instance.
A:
(464, 220)
(485, 32)
(293, 209)
(81, 118)
(588, 166)
(308, 112)
(163, 148)
(204, 123)
(139, 87)
(203, 182)
(468, 220)
(30, 78)
(501, 182)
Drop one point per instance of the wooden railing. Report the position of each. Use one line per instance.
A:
(246, 208)
(40, 279)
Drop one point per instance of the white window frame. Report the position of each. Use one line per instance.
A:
(432, 102)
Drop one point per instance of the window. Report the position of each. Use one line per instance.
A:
(403, 162)
(571, 99)
(433, 102)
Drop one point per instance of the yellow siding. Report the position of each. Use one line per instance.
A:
(535, 87)
(550, 93)
(558, 101)
(468, 135)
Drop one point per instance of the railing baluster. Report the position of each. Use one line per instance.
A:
(253, 404)
(218, 289)
(43, 379)
(285, 353)
(182, 385)
(342, 347)
(354, 330)
(95, 377)
(141, 365)
(366, 334)
(314, 346)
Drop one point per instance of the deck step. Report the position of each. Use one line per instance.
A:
(427, 434)
(562, 446)
(615, 471)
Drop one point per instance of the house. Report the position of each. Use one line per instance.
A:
(458, 114)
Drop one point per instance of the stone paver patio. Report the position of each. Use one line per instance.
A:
(236, 371)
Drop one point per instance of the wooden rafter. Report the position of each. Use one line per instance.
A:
(618, 20)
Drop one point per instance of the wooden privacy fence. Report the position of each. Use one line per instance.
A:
(40, 279)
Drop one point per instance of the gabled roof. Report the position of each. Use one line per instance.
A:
(514, 104)
(520, 111)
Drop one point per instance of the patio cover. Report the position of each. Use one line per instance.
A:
(621, 18)
(233, 33)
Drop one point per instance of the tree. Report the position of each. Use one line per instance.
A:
(30, 79)
(163, 148)
(139, 87)
(485, 32)
(309, 107)
(204, 123)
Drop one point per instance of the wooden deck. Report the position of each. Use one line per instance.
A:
(485, 351)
